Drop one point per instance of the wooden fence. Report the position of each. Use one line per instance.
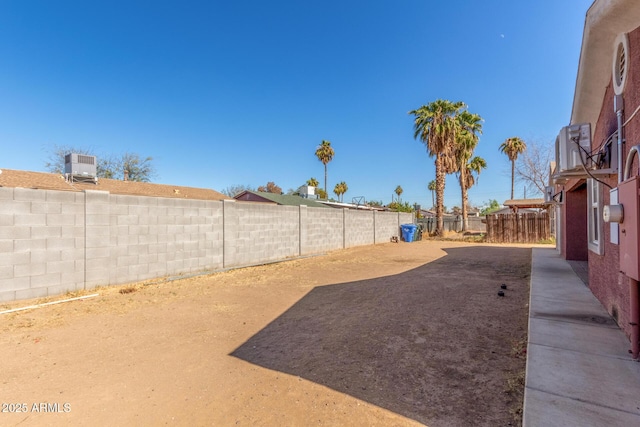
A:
(518, 228)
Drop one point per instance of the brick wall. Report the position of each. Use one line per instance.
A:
(52, 242)
(605, 280)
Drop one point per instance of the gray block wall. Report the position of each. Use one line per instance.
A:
(52, 242)
(359, 228)
(154, 237)
(259, 232)
(322, 230)
(41, 243)
(387, 226)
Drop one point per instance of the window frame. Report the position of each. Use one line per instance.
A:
(595, 229)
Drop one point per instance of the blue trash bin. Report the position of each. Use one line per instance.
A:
(408, 230)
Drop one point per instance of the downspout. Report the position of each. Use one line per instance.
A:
(618, 105)
(635, 318)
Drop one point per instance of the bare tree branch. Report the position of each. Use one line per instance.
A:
(532, 167)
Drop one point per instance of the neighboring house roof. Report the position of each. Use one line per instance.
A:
(280, 199)
(350, 206)
(605, 20)
(53, 181)
(507, 211)
(518, 204)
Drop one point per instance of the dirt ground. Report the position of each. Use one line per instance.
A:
(389, 335)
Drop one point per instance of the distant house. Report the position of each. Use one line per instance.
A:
(508, 210)
(279, 199)
(516, 205)
(53, 181)
(604, 124)
(342, 205)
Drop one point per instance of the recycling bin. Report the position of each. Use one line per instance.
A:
(408, 230)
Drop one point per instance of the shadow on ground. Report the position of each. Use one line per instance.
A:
(426, 344)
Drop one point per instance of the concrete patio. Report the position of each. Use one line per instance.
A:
(579, 370)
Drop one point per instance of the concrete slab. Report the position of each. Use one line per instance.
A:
(545, 409)
(579, 371)
(576, 337)
(588, 378)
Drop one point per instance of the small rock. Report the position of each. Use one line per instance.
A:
(503, 286)
(500, 293)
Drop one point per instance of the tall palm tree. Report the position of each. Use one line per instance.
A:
(512, 147)
(435, 126)
(398, 192)
(469, 129)
(325, 153)
(312, 182)
(473, 169)
(432, 187)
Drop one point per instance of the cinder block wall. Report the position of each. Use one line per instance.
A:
(153, 237)
(52, 242)
(322, 230)
(359, 228)
(387, 225)
(259, 232)
(42, 243)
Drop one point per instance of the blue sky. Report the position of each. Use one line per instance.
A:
(222, 93)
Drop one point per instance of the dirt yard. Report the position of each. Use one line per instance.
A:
(387, 335)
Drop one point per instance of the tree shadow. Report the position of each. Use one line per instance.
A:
(419, 343)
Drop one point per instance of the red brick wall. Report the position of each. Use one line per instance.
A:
(605, 280)
(576, 223)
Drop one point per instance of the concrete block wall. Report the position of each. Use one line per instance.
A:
(359, 228)
(41, 243)
(52, 242)
(387, 226)
(260, 232)
(322, 230)
(154, 237)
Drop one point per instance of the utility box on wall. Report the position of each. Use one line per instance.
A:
(629, 249)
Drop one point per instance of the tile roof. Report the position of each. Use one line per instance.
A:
(53, 181)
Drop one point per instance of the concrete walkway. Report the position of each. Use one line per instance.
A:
(579, 370)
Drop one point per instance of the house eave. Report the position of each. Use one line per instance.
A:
(605, 19)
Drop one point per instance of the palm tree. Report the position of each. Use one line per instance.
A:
(398, 192)
(325, 153)
(435, 126)
(469, 127)
(432, 187)
(340, 189)
(512, 147)
(312, 182)
(474, 166)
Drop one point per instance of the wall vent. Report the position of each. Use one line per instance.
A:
(620, 66)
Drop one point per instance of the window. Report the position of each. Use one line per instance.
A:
(594, 217)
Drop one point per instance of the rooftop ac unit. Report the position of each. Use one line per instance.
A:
(573, 146)
(80, 166)
(308, 192)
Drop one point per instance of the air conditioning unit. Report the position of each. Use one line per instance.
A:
(573, 147)
(80, 166)
(553, 198)
(307, 192)
(548, 194)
